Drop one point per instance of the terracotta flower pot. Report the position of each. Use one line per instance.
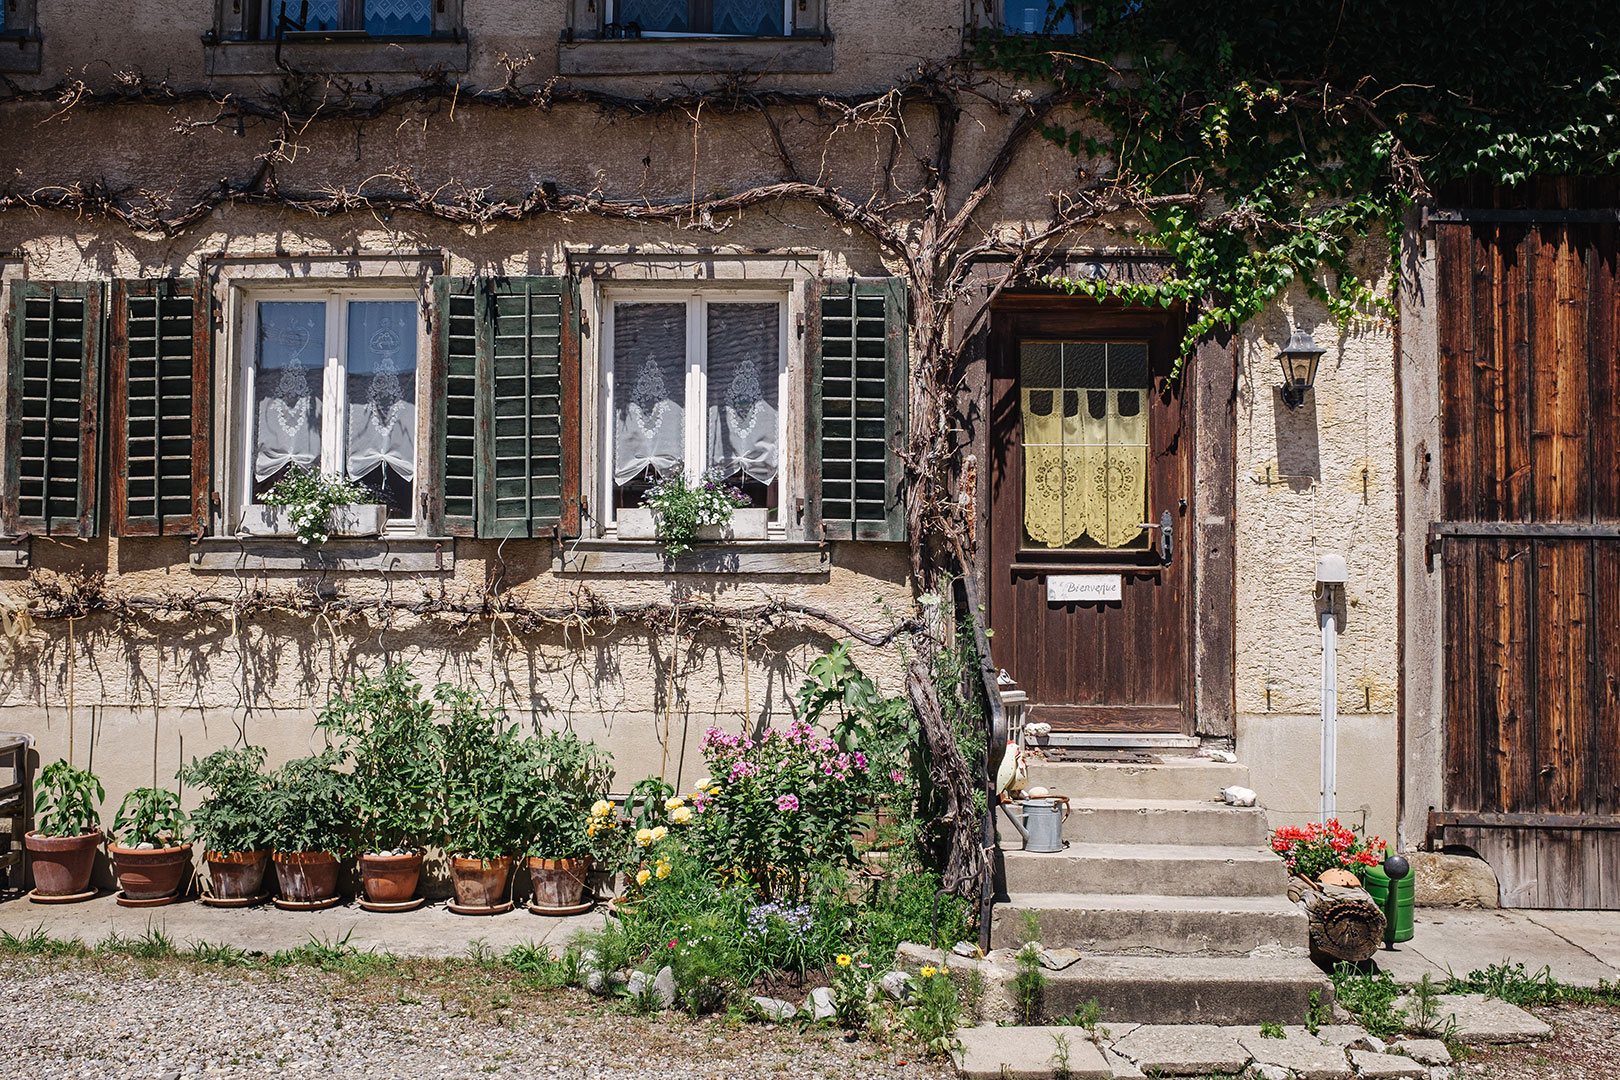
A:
(151, 873)
(558, 883)
(480, 882)
(390, 879)
(62, 864)
(236, 875)
(306, 877)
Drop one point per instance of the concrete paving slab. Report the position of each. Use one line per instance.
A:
(1028, 1053)
(1342, 1035)
(1307, 1056)
(1184, 1049)
(1428, 1051)
(1480, 1019)
(1124, 1068)
(431, 930)
(1386, 1066)
(1460, 941)
(1597, 932)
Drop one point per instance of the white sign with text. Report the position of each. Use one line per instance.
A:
(1084, 588)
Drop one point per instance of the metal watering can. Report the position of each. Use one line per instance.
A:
(1041, 822)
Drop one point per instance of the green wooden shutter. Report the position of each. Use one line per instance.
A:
(531, 479)
(460, 321)
(54, 396)
(158, 382)
(857, 414)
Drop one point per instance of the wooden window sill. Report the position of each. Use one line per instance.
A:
(416, 554)
(364, 56)
(646, 558)
(690, 56)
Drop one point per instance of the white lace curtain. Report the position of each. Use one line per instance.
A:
(649, 389)
(287, 386)
(744, 350)
(381, 365)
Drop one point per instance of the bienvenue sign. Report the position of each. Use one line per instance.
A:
(1084, 588)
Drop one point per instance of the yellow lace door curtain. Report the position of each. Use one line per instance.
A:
(1084, 412)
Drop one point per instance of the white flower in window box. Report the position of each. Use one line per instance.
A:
(678, 511)
(747, 523)
(314, 507)
(347, 520)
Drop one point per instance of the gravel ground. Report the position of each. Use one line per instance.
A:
(1585, 1046)
(118, 1017)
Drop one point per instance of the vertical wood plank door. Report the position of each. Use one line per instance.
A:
(1090, 450)
(1529, 371)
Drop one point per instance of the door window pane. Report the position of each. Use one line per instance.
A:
(288, 361)
(744, 346)
(1085, 441)
(381, 387)
(649, 396)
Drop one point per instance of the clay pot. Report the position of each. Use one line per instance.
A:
(306, 877)
(558, 883)
(390, 879)
(236, 875)
(62, 864)
(151, 873)
(480, 882)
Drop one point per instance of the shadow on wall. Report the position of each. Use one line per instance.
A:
(1299, 452)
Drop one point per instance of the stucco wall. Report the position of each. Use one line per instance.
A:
(1312, 481)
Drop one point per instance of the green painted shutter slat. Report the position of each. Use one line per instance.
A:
(529, 481)
(54, 397)
(459, 321)
(858, 410)
(158, 381)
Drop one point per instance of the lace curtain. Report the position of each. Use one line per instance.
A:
(287, 386)
(744, 354)
(649, 389)
(1085, 445)
(654, 16)
(384, 18)
(381, 388)
(748, 18)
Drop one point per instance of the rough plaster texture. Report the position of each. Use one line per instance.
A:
(1311, 481)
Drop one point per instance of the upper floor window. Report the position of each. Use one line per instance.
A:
(268, 19)
(1041, 16)
(722, 18)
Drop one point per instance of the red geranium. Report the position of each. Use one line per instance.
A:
(1310, 849)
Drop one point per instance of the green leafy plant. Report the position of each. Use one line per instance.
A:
(485, 787)
(309, 497)
(1370, 998)
(151, 815)
(1272, 1030)
(386, 729)
(65, 800)
(1029, 983)
(1061, 1065)
(565, 775)
(234, 816)
(307, 807)
(1318, 1013)
(932, 1020)
(1086, 1016)
(680, 507)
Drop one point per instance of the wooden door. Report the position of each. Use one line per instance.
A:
(1530, 551)
(1089, 471)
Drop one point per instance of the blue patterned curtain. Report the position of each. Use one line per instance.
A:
(654, 16)
(748, 18)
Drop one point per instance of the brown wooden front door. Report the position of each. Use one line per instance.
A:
(1089, 461)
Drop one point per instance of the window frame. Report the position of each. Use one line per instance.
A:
(1076, 12)
(695, 386)
(334, 370)
(611, 15)
(253, 21)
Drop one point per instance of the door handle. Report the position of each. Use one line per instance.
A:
(1167, 535)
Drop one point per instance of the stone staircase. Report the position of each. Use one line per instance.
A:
(1172, 897)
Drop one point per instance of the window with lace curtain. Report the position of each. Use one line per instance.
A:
(722, 18)
(330, 384)
(693, 382)
(375, 18)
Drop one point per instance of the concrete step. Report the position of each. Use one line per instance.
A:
(1161, 821)
(1149, 924)
(1191, 779)
(1159, 869)
(1189, 989)
(989, 1052)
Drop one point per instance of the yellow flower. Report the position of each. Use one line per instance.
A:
(590, 830)
(715, 790)
(843, 959)
(705, 782)
(601, 808)
(657, 834)
(642, 875)
(928, 972)
(674, 802)
(681, 815)
(663, 869)
(644, 837)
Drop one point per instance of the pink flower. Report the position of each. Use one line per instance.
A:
(787, 802)
(896, 775)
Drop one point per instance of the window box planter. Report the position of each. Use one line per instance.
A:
(747, 523)
(355, 519)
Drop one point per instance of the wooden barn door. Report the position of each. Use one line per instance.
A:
(1530, 545)
(1089, 487)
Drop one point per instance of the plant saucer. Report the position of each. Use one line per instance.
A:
(234, 901)
(307, 905)
(66, 898)
(498, 909)
(393, 905)
(156, 901)
(573, 909)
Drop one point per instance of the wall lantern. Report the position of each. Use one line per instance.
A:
(1299, 359)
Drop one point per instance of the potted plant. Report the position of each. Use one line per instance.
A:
(310, 822)
(566, 775)
(679, 512)
(386, 728)
(67, 832)
(483, 790)
(314, 506)
(231, 823)
(151, 856)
